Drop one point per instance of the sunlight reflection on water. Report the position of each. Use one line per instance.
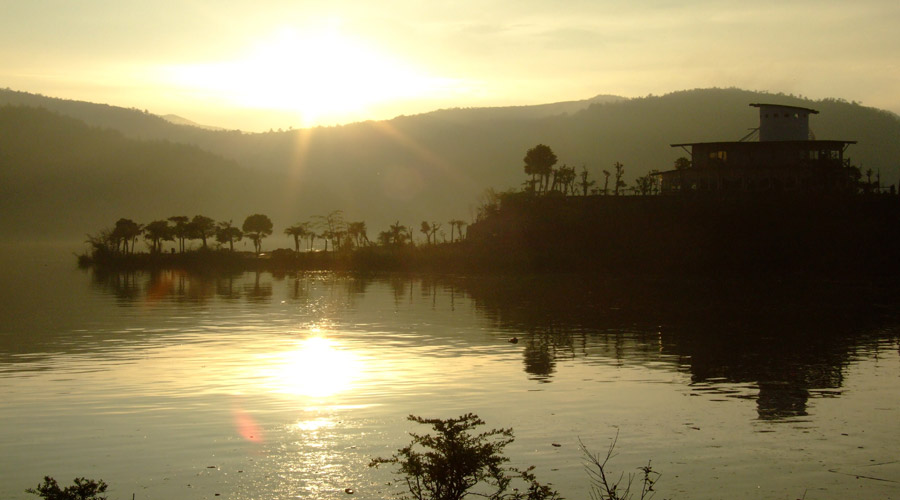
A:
(315, 366)
(254, 386)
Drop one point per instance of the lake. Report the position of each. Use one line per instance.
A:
(254, 385)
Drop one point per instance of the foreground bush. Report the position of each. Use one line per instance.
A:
(83, 489)
(455, 463)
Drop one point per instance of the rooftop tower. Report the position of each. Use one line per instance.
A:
(783, 123)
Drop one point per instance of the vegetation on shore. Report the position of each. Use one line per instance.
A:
(560, 221)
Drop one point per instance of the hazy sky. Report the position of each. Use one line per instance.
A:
(274, 64)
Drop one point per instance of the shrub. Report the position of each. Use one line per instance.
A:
(449, 464)
(83, 489)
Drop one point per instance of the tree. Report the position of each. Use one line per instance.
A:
(357, 231)
(447, 465)
(646, 184)
(297, 231)
(606, 182)
(620, 171)
(180, 230)
(156, 232)
(458, 224)
(539, 162)
(201, 227)
(83, 489)
(585, 184)
(563, 178)
(126, 230)
(226, 233)
(397, 234)
(256, 227)
(330, 227)
(425, 228)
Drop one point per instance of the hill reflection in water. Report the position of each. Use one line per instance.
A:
(779, 344)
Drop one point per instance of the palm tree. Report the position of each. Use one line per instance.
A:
(399, 234)
(357, 231)
(297, 231)
(126, 230)
(426, 230)
(459, 227)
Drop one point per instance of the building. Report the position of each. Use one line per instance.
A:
(786, 157)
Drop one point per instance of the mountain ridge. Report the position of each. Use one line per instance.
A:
(433, 166)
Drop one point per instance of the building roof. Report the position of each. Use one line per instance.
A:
(761, 104)
(769, 144)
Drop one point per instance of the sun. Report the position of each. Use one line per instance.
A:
(322, 74)
(316, 367)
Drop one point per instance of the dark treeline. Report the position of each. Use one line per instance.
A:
(322, 242)
(560, 221)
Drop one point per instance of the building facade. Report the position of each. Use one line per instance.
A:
(785, 158)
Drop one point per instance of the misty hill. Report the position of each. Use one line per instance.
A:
(433, 166)
(60, 178)
(180, 120)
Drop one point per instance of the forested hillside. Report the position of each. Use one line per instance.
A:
(60, 178)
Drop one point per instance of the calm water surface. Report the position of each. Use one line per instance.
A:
(168, 385)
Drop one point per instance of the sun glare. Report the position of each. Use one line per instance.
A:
(316, 368)
(323, 75)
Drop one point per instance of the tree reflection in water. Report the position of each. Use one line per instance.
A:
(791, 341)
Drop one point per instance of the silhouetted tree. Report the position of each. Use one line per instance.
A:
(606, 182)
(202, 227)
(620, 171)
(297, 231)
(125, 231)
(256, 227)
(646, 184)
(585, 184)
(330, 227)
(156, 232)
(425, 228)
(563, 179)
(357, 231)
(539, 162)
(398, 234)
(458, 224)
(226, 233)
(180, 229)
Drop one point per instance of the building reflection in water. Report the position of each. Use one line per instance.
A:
(790, 341)
(780, 344)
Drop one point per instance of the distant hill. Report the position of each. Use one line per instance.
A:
(179, 120)
(60, 178)
(433, 166)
